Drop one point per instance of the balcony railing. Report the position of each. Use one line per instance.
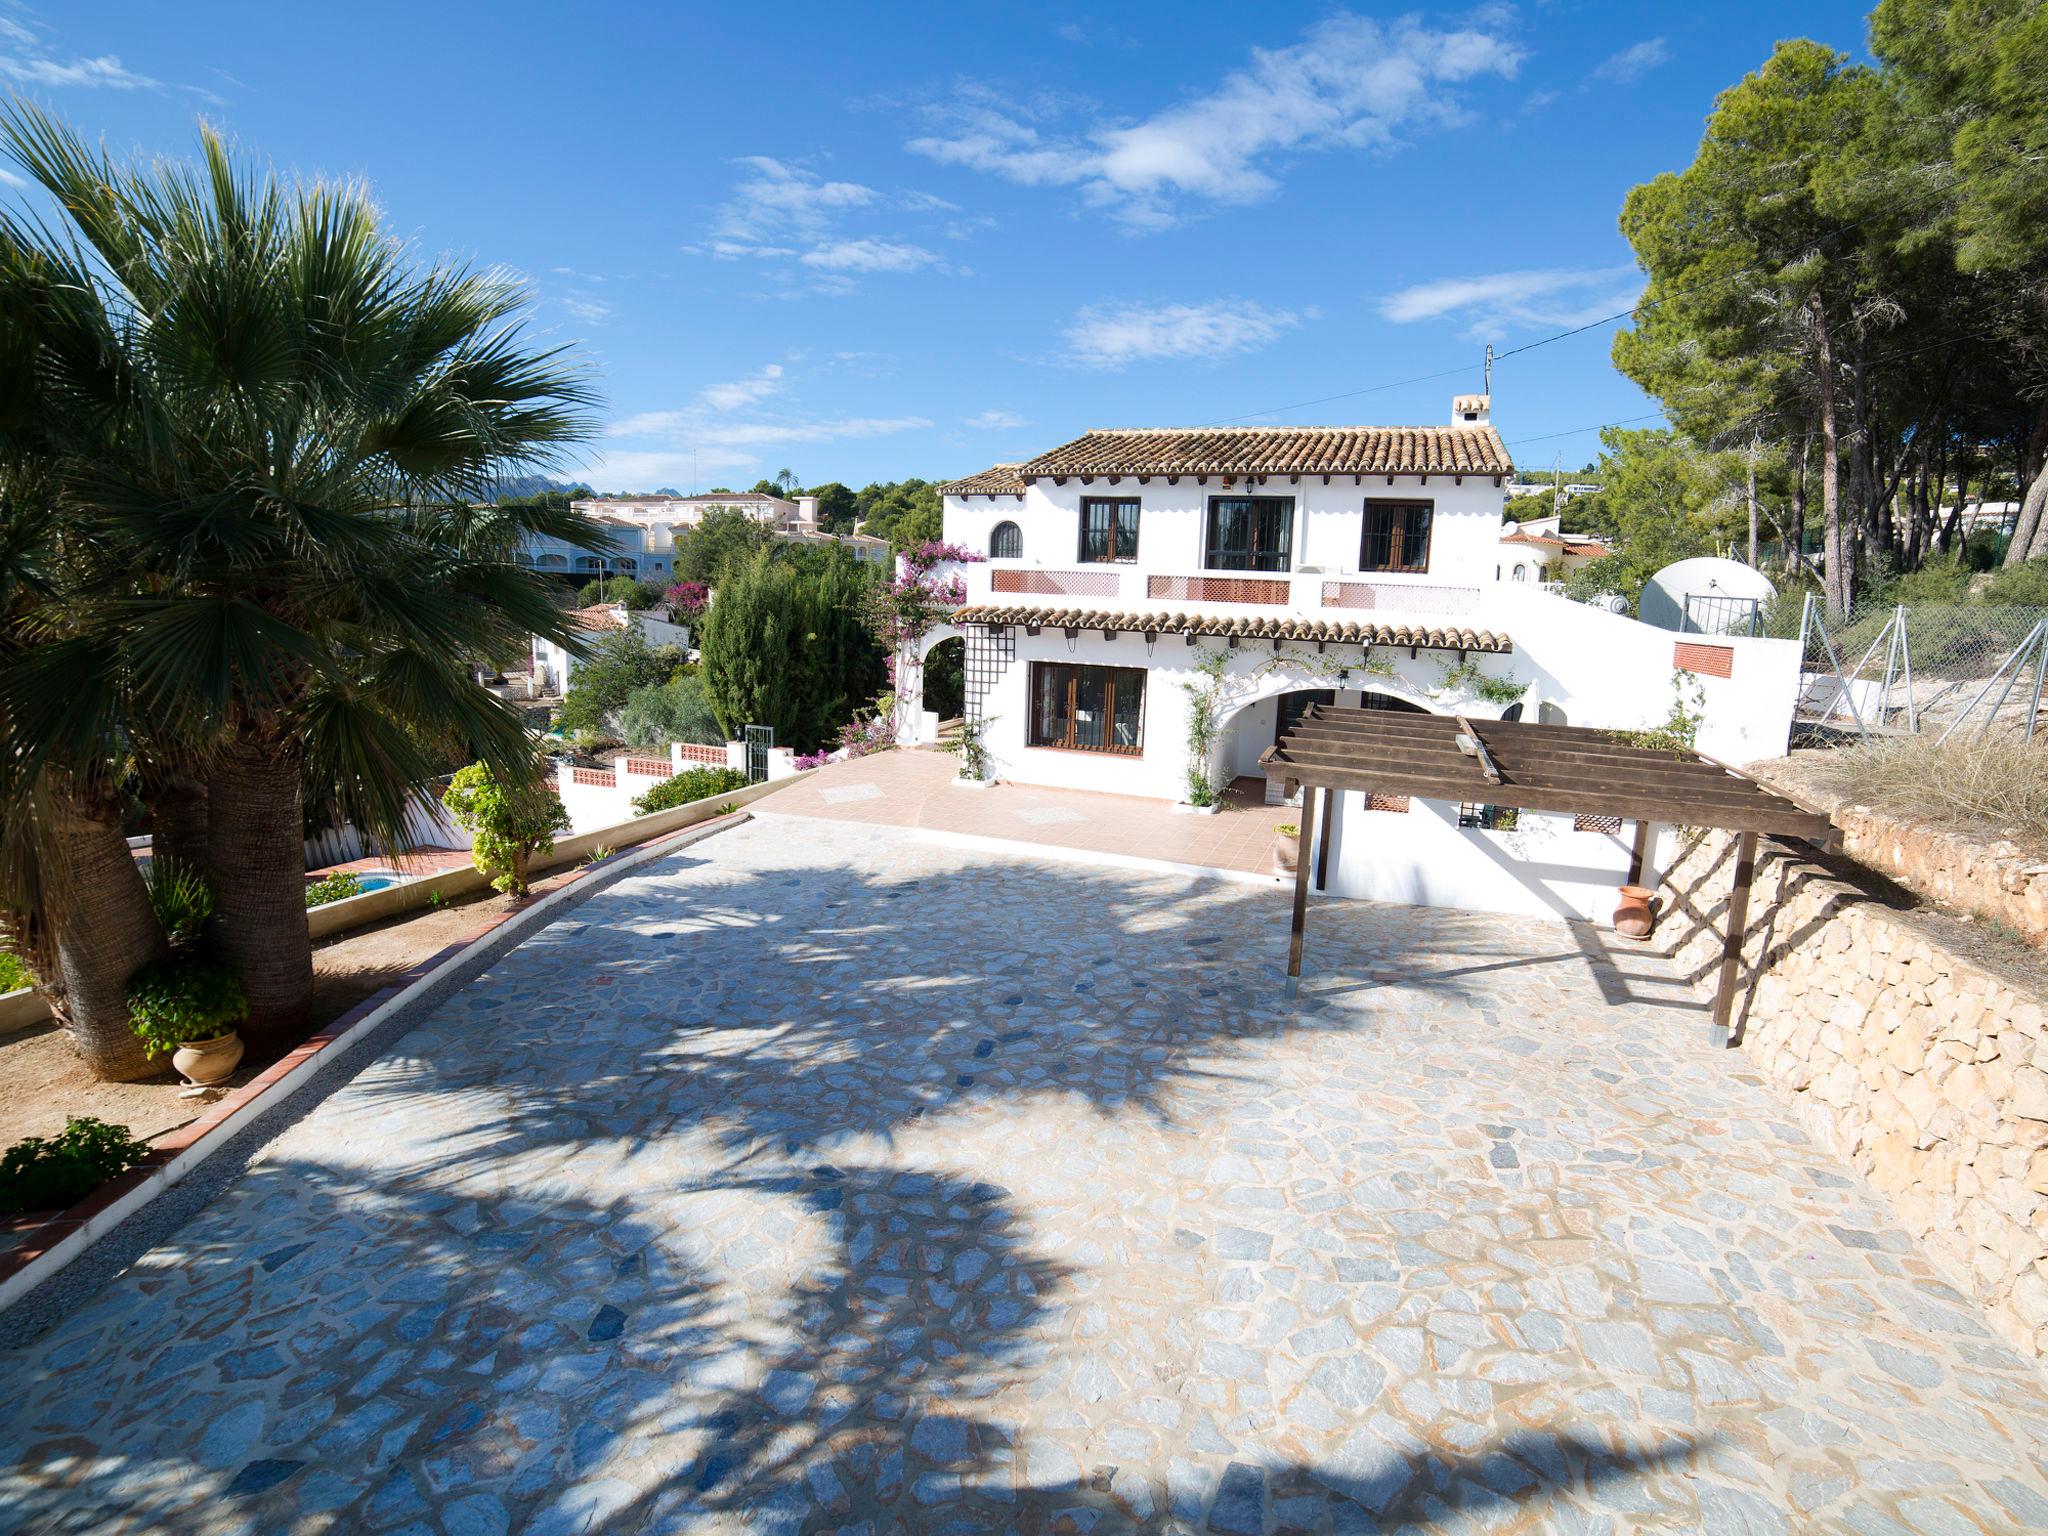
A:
(1218, 589)
(1056, 583)
(1402, 596)
(1297, 591)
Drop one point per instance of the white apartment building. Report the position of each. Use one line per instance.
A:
(643, 532)
(1355, 566)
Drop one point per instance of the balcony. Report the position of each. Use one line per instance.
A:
(1129, 589)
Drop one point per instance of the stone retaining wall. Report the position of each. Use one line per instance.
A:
(1967, 871)
(1922, 1067)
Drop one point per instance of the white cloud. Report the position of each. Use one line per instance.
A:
(777, 200)
(1494, 303)
(996, 421)
(585, 308)
(1634, 62)
(9, 179)
(1112, 336)
(731, 396)
(1350, 83)
(38, 69)
(868, 256)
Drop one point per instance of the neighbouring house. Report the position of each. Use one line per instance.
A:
(642, 532)
(1540, 550)
(1132, 575)
(554, 667)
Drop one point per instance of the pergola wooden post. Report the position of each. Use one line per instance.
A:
(1533, 767)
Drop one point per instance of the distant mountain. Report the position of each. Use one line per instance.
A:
(534, 485)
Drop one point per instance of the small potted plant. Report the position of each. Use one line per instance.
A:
(1286, 848)
(189, 1007)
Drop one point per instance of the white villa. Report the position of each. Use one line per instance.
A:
(1356, 566)
(643, 532)
(554, 666)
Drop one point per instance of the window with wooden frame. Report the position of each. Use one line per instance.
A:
(1088, 709)
(1109, 528)
(1396, 536)
(1250, 533)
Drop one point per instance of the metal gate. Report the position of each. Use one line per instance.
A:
(759, 739)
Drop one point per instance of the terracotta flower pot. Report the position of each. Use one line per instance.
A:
(1633, 918)
(209, 1061)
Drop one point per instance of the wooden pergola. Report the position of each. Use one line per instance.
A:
(1559, 768)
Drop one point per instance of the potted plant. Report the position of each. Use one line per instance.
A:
(189, 1007)
(1286, 848)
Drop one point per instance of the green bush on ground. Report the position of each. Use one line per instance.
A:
(691, 784)
(13, 974)
(41, 1173)
(338, 886)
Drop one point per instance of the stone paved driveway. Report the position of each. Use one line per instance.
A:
(821, 1179)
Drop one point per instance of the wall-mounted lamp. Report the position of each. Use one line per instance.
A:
(1151, 640)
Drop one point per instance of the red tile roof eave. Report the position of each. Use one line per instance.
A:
(1269, 451)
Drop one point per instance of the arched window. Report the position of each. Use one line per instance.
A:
(1513, 711)
(1521, 573)
(1550, 714)
(1006, 543)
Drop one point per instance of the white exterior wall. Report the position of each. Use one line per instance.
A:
(1329, 523)
(1422, 857)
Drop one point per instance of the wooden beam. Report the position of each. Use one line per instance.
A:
(1731, 941)
(1568, 801)
(1323, 846)
(1457, 773)
(1639, 855)
(1308, 811)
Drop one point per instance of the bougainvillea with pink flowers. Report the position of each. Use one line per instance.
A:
(687, 599)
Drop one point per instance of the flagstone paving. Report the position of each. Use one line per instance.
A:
(820, 1178)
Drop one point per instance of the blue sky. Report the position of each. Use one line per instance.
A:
(864, 243)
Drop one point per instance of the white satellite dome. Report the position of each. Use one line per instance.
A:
(1705, 595)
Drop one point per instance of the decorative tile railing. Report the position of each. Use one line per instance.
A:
(597, 776)
(1218, 589)
(697, 752)
(1405, 597)
(1056, 583)
(650, 767)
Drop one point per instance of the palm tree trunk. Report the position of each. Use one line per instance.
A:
(255, 840)
(177, 816)
(105, 932)
(2027, 536)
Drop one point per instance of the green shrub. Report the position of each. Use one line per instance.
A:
(183, 998)
(338, 886)
(13, 974)
(2020, 586)
(677, 710)
(507, 823)
(182, 899)
(620, 590)
(48, 1173)
(691, 784)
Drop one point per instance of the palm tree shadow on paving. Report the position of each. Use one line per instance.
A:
(798, 1020)
(403, 1337)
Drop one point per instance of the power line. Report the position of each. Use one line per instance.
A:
(1597, 426)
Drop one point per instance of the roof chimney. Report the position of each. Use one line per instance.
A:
(1471, 410)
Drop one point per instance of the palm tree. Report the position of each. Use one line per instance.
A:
(251, 571)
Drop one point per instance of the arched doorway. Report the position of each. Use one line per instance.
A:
(945, 678)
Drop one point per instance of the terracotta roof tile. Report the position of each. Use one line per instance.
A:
(996, 480)
(598, 618)
(1277, 451)
(1221, 626)
(1565, 542)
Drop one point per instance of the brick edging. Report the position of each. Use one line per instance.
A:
(255, 1113)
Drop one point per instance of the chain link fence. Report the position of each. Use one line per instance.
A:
(1889, 669)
